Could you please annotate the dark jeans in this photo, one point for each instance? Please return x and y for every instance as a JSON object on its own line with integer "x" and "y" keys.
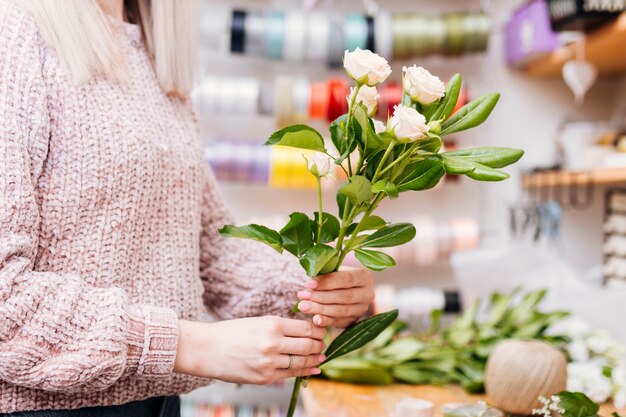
{"x": 152, "y": 407}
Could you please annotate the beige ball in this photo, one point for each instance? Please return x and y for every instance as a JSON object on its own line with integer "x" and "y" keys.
{"x": 520, "y": 371}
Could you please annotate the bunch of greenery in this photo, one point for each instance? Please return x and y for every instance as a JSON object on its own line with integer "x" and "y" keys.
{"x": 456, "y": 354}
{"x": 380, "y": 161}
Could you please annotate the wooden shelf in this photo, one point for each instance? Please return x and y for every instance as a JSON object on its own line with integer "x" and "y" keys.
{"x": 600, "y": 176}
{"x": 604, "y": 48}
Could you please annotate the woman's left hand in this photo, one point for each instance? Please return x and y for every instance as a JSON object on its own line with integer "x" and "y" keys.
{"x": 337, "y": 299}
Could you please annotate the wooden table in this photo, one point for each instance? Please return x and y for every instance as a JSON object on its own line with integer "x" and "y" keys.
{"x": 335, "y": 399}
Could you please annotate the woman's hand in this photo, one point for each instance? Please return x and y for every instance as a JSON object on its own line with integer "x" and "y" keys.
{"x": 250, "y": 351}
{"x": 337, "y": 299}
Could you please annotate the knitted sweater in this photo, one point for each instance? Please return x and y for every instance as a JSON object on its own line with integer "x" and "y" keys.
{"x": 108, "y": 232}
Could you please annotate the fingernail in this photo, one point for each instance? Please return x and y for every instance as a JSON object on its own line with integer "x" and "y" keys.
{"x": 316, "y": 371}
{"x": 321, "y": 358}
{"x": 304, "y": 306}
{"x": 312, "y": 284}
{"x": 323, "y": 345}
{"x": 304, "y": 295}
{"x": 317, "y": 320}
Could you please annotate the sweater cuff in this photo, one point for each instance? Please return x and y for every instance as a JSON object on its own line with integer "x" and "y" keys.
{"x": 152, "y": 341}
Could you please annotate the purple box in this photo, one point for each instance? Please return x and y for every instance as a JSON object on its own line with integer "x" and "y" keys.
{"x": 529, "y": 34}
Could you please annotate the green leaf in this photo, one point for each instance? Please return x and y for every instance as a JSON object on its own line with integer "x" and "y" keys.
{"x": 297, "y": 234}
{"x": 471, "y": 115}
{"x": 316, "y": 258}
{"x": 341, "y": 204}
{"x": 374, "y": 260}
{"x": 484, "y": 173}
{"x": 447, "y": 105}
{"x": 357, "y": 190}
{"x": 493, "y": 157}
{"x": 403, "y": 349}
{"x": 422, "y": 175}
{"x": 392, "y": 235}
{"x": 386, "y": 187}
{"x": 456, "y": 166}
{"x": 298, "y": 136}
{"x": 359, "y": 334}
{"x": 430, "y": 144}
{"x": 330, "y": 227}
{"x": 255, "y": 232}
{"x": 344, "y": 145}
{"x": 577, "y": 404}
{"x": 370, "y": 223}
{"x": 365, "y": 134}
{"x": 358, "y": 371}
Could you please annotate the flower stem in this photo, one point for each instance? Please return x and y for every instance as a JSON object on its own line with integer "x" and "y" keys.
{"x": 382, "y": 161}
{"x": 294, "y": 397}
{"x": 348, "y": 119}
{"x": 369, "y": 211}
{"x": 320, "y": 216}
{"x": 402, "y": 157}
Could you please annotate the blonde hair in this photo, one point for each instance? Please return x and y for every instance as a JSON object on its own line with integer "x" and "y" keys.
{"x": 88, "y": 46}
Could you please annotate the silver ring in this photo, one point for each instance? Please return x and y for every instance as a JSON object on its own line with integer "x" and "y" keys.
{"x": 290, "y": 362}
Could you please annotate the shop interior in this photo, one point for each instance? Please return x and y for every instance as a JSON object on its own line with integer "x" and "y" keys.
{"x": 549, "y": 240}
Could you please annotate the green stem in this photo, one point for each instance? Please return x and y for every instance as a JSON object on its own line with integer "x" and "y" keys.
{"x": 369, "y": 211}
{"x": 348, "y": 119}
{"x": 320, "y": 216}
{"x": 294, "y": 397}
{"x": 382, "y": 161}
{"x": 402, "y": 157}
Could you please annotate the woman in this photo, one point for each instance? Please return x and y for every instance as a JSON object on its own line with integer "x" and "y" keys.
{"x": 109, "y": 251}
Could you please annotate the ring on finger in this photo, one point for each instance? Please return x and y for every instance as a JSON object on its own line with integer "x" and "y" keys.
{"x": 290, "y": 362}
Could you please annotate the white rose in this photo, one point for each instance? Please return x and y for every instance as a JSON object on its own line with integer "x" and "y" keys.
{"x": 421, "y": 85}
{"x": 368, "y": 96}
{"x": 366, "y": 67}
{"x": 319, "y": 165}
{"x": 379, "y": 127}
{"x": 408, "y": 124}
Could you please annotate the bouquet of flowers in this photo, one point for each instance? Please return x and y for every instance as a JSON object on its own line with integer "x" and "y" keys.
{"x": 380, "y": 160}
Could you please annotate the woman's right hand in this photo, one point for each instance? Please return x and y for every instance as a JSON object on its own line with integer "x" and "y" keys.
{"x": 249, "y": 351}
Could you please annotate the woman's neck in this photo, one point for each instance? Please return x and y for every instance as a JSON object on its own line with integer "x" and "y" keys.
{"x": 114, "y": 8}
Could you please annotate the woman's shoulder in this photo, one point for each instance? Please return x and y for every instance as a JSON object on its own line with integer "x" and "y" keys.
{"x": 21, "y": 42}
{"x": 14, "y": 18}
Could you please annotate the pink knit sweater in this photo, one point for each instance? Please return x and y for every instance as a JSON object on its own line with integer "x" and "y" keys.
{"x": 108, "y": 232}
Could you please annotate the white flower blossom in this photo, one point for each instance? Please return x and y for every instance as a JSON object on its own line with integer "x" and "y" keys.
{"x": 319, "y": 165}
{"x": 368, "y": 96}
{"x": 408, "y": 124}
{"x": 421, "y": 85}
{"x": 366, "y": 67}
{"x": 379, "y": 127}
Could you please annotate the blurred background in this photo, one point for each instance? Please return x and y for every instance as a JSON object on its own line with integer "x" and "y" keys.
{"x": 558, "y": 223}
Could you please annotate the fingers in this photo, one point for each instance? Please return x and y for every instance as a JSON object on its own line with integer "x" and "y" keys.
{"x": 359, "y": 295}
{"x": 301, "y": 328}
{"x": 299, "y": 361}
{"x": 332, "y": 310}
{"x": 340, "y": 323}
{"x": 290, "y": 373}
{"x": 343, "y": 279}
{"x": 300, "y": 346}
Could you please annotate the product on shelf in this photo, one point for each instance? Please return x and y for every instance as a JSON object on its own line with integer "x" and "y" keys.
{"x": 290, "y": 99}
{"x": 528, "y": 34}
{"x": 583, "y": 14}
{"x": 296, "y": 36}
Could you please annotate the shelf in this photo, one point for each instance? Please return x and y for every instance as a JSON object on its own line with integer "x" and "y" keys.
{"x": 600, "y": 176}
{"x": 604, "y": 48}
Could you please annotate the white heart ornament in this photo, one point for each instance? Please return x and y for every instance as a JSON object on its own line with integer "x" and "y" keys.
{"x": 579, "y": 77}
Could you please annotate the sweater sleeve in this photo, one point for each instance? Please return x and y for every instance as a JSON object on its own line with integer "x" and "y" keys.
{"x": 242, "y": 278}
{"x": 57, "y": 332}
